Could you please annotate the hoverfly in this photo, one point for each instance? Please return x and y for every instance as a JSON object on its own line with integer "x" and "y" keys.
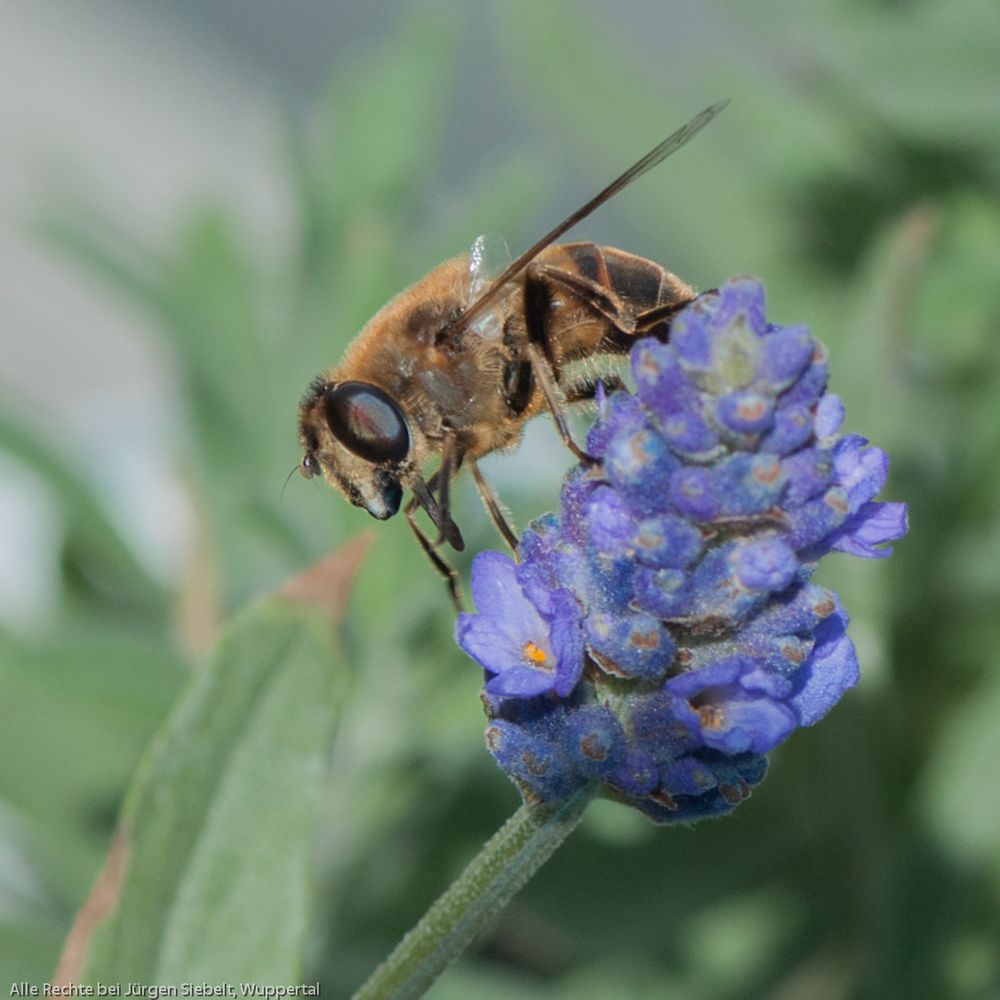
{"x": 456, "y": 365}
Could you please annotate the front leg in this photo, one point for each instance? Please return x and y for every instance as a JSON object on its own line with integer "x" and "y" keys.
{"x": 438, "y": 510}
{"x": 451, "y": 462}
{"x": 448, "y": 572}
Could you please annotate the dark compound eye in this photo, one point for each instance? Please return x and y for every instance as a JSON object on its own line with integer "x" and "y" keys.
{"x": 364, "y": 419}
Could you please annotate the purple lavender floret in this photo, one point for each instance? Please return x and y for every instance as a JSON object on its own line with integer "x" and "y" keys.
{"x": 527, "y": 635}
{"x": 660, "y": 635}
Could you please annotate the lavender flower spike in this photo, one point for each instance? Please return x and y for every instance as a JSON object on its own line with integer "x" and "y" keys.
{"x": 660, "y": 635}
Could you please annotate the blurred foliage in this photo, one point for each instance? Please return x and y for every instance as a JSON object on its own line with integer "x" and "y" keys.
{"x": 856, "y": 172}
{"x": 239, "y": 769}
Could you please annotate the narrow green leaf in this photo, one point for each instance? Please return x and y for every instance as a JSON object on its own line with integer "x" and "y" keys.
{"x": 218, "y": 830}
{"x": 388, "y": 107}
{"x": 91, "y": 535}
{"x": 89, "y": 236}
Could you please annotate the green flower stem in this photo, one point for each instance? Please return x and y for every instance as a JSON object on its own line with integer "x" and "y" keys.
{"x": 506, "y": 862}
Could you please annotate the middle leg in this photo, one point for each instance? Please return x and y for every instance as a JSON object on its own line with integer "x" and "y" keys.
{"x": 537, "y": 305}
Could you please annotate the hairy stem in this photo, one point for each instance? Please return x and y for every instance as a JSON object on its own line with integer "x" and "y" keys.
{"x": 505, "y": 863}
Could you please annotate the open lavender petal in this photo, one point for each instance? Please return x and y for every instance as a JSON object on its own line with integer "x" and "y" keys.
{"x": 660, "y": 635}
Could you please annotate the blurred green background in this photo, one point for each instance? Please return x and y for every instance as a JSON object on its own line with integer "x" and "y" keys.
{"x": 203, "y": 201}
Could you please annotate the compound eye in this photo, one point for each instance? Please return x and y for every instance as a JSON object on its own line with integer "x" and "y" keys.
{"x": 365, "y": 420}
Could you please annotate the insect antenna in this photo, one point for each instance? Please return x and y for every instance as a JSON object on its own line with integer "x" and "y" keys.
{"x": 284, "y": 485}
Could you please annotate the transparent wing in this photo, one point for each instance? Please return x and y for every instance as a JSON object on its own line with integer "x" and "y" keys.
{"x": 489, "y": 257}
{"x": 656, "y": 155}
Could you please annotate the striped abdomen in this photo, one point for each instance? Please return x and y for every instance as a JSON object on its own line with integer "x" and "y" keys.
{"x": 612, "y": 297}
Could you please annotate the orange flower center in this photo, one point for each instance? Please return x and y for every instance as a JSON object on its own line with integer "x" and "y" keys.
{"x": 534, "y": 653}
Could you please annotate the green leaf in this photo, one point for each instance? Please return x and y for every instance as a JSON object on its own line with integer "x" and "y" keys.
{"x": 218, "y": 830}
{"x": 358, "y": 179}
{"x": 956, "y": 304}
{"x": 92, "y": 541}
{"x": 930, "y": 69}
{"x": 953, "y": 802}
{"x": 388, "y": 108}
{"x": 106, "y": 692}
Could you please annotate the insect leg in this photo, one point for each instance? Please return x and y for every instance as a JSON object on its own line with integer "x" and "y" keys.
{"x": 647, "y": 322}
{"x": 442, "y": 521}
{"x": 551, "y": 393}
{"x": 592, "y": 295}
{"x": 537, "y": 302}
{"x": 449, "y": 573}
{"x": 451, "y": 460}
{"x": 493, "y": 508}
